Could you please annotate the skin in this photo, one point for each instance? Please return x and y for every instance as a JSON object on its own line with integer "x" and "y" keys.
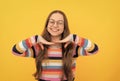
{"x": 55, "y": 28}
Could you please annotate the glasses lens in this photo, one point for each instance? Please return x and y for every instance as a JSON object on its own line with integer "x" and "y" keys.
{"x": 52, "y": 22}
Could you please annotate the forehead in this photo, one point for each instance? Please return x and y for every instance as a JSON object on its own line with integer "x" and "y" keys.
{"x": 57, "y": 16}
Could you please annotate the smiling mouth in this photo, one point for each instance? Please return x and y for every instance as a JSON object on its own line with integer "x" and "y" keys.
{"x": 54, "y": 30}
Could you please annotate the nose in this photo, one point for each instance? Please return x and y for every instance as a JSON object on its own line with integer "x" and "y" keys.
{"x": 55, "y": 24}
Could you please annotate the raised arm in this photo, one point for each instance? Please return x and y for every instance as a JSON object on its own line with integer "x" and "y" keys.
{"x": 30, "y": 46}
{"x": 27, "y": 47}
{"x": 84, "y": 46}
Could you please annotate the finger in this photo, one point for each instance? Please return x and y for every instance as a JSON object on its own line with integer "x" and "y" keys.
{"x": 49, "y": 43}
{"x": 67, "y": 39}
{"x": 43, "y": 41}
{"x": 62, "y": 41}
{"x": 66, "y": 44}
{"x": 41, "y": 45}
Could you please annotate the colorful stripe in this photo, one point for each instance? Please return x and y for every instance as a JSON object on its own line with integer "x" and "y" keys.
{"x": 52, "y": 67}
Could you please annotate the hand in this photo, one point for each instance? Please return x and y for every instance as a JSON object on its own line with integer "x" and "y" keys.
{"x": 66, "y": 40}
{"x": 42, "y": 41}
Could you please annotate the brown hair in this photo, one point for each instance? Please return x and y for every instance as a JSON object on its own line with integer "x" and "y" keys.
{"x": 67, "y": 52}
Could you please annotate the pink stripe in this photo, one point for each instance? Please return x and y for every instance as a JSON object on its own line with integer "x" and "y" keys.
{"x": 47, "y": 72}
{"x": 16, "y": 53}
{"x": 55, "y": 55}
{"x": 51, "y": 79}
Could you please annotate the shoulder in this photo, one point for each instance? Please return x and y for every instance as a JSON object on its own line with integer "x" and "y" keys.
{"x": 74, "y": 36}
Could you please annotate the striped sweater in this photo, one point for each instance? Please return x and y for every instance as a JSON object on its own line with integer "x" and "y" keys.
{"x": 52, "y": 67}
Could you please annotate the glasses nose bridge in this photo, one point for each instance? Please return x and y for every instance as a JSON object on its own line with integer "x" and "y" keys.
{"x": 55, "y": 23}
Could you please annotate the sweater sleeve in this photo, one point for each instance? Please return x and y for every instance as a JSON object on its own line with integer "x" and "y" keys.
{"x": 27, "y": 48}
{"x": 84, "y": 46}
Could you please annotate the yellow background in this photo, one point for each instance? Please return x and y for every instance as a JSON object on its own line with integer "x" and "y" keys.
{"x": 97, "y": 20}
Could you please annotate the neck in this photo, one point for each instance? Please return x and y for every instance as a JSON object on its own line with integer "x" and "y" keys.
{"x": 55, "y": 38}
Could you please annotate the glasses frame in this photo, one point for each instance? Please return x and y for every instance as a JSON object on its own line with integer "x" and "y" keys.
{"x": 51, "y": 22}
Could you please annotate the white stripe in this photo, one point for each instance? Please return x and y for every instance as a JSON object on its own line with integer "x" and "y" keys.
{"x": 52, "y": 63}
{"x": 32, "y": 40}
{"x": 29, "y": 53}
{"x": 38, "y": 39}
{"x": 88, "y": 45}
{"x": 81, "y": 49}
{"x": 47, "y": 63}
{"x": 77, "y": 39}
{"x": 51, "y": 75}
{"x": 21, "y": 46}
{"x": 71, "y": 37}
{"x": 74, "y": 61}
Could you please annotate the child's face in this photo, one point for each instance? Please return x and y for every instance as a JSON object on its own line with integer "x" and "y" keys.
{"x": 56, "y": 24}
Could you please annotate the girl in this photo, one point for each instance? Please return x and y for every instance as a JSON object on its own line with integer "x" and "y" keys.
{"x": 55, "y": 50}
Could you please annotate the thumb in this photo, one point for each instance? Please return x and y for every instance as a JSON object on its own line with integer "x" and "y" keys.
{"x": 41, "y": 45}
{"x": 69, "y": 38}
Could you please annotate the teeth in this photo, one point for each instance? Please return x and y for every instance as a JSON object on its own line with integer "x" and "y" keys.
{"x": 55, "y": 30}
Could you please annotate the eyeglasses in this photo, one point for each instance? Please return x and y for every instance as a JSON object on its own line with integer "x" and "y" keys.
{"x": 51, "y": 22}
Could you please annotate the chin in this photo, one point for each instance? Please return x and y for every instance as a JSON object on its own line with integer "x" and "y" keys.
{"x": 55, "y": 35}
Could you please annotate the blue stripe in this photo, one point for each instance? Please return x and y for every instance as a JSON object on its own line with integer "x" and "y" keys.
{"x": 85, "y": 43}
{"x": 51, "y": 67}
{"x": 83, "y": 52}
{"x": 24, "y": 44}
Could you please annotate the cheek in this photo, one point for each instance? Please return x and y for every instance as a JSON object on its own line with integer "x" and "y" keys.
{"x": 61, "y": 30}
{"x": 48, "y": 29}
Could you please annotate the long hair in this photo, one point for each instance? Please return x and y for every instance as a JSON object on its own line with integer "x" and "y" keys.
{"x": 66, "y": 52}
